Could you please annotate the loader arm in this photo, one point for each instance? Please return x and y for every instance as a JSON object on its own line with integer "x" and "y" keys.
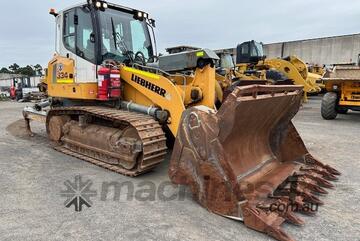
{"x": 302, "y": 67}
{"x": 291, "y": 71}
{"x": 151, "y": 89}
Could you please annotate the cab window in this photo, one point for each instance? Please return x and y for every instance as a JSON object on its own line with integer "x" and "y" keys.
{"x": 69, "y": 30}
{"x": 79, "y": 37}
{"x": 85, "y": 37}
{"x": 245, "y": 49}
{"x": 254, "y": 52}
{"x": 139, "y": 40}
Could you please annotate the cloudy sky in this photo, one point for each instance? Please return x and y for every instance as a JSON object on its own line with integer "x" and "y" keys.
{"x": 27, "y": 30}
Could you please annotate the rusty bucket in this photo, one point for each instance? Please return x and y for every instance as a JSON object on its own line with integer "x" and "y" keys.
{"x": 248, "y": 162}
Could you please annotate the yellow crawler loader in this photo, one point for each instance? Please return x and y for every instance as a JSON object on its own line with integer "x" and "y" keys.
{"x": 114, "y": 103}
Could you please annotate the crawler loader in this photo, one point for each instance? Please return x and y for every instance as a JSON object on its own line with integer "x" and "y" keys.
{"x": 113, "y": 103}
{"x": 250, "y": 55}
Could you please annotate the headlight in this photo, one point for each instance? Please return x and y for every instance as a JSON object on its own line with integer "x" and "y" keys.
{"x": 140, "y": 14}
{"x": 146, "y": 15}
{"x": 98, "y": 4}
{"x": 105, "y": 5}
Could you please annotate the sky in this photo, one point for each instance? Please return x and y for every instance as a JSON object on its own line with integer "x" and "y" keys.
{"x": 27, "y": 30}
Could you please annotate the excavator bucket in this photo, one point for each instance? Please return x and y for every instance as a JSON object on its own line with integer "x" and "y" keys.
{"x": 247, "y": 161}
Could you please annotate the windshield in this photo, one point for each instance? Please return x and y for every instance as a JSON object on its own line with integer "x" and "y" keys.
{"x": 259, "y": 49}
{"x": 227, "y": 61}
{"x": 120, "y": 33}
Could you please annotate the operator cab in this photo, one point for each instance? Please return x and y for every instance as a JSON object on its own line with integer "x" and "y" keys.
{"x": 249, "y": 52}
{"x": 97, "y": 31}
{"x": 226, "y": 62}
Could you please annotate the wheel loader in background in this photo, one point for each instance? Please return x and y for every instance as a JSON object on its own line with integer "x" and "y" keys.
{"x": 113, "y": 103}
{"x": 226, "y": 74}
{"x": 250, "y": 56}
{"x": 343, "y": 91}
{"x": 231, "y": 76}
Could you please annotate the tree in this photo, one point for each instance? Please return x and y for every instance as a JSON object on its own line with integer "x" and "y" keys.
{"x": 14, "y": 67}
{"x": 38, "y": 69}
{"x": 28, "y": 71}
{"x": 5, "y": 71}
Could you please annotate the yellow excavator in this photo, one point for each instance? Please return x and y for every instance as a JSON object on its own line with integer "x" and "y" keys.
{"x": 250, "y": 55}
{"x": 114, "y": 103}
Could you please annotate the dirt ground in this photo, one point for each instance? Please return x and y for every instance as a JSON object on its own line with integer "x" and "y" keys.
{"x": 33, "y": 176}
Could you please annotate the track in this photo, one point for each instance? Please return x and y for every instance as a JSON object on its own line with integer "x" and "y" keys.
{"x": 151, "y": 135}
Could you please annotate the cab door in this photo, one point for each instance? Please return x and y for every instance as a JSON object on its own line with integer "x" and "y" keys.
{"x": 79, "y": 43}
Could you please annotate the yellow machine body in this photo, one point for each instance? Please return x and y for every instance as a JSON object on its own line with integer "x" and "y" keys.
{"x": 346, "y": 82}
{"x": 343, "y": 91}
{"x": 317, "y": 69}
{"x": 349, "y": 91}
{"x": 250, "y": 56}
{"x": 62, "y": 84}
{"x": 295, "y": 69}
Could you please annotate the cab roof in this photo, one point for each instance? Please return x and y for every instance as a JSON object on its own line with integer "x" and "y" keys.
{"x": 110, "y": 5}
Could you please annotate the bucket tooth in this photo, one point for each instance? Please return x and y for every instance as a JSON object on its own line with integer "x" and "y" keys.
{"x": 311, "y": 184}
{"x": 311, "y": 161}
{"x": 292, "y": 218}
{"x": 332, "y": 170}
{"x": 329, "y": 176}
{"x": 284, "y": 208}
{"x": 315, "y": 188}
{"x": 321, "y": 181}
{"x": 321, "y": 171}
{"x": 308, "y": 197}
{"x": 300, "y": 191}
{"x": 266, "y": 222}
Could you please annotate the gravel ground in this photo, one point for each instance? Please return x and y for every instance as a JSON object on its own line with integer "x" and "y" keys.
{"x": 32, "y": 177}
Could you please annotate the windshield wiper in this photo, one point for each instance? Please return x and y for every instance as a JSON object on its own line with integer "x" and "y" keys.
{"x": 117, "y": 37}
{"x": 113, "y": 33}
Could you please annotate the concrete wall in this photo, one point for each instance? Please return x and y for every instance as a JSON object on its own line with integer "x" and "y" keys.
{"x": 33, "y": 81}
{"x": 332, "y": 50}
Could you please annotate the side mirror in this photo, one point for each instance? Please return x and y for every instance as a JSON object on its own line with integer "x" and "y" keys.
{"x": 92, "y": 38}
{"x": 152, "y": 22}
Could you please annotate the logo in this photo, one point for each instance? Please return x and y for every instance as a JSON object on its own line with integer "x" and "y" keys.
{"x": 148, "y": 85}
{"x": 78, "y": 193}
{"x": 60, "y": 67}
